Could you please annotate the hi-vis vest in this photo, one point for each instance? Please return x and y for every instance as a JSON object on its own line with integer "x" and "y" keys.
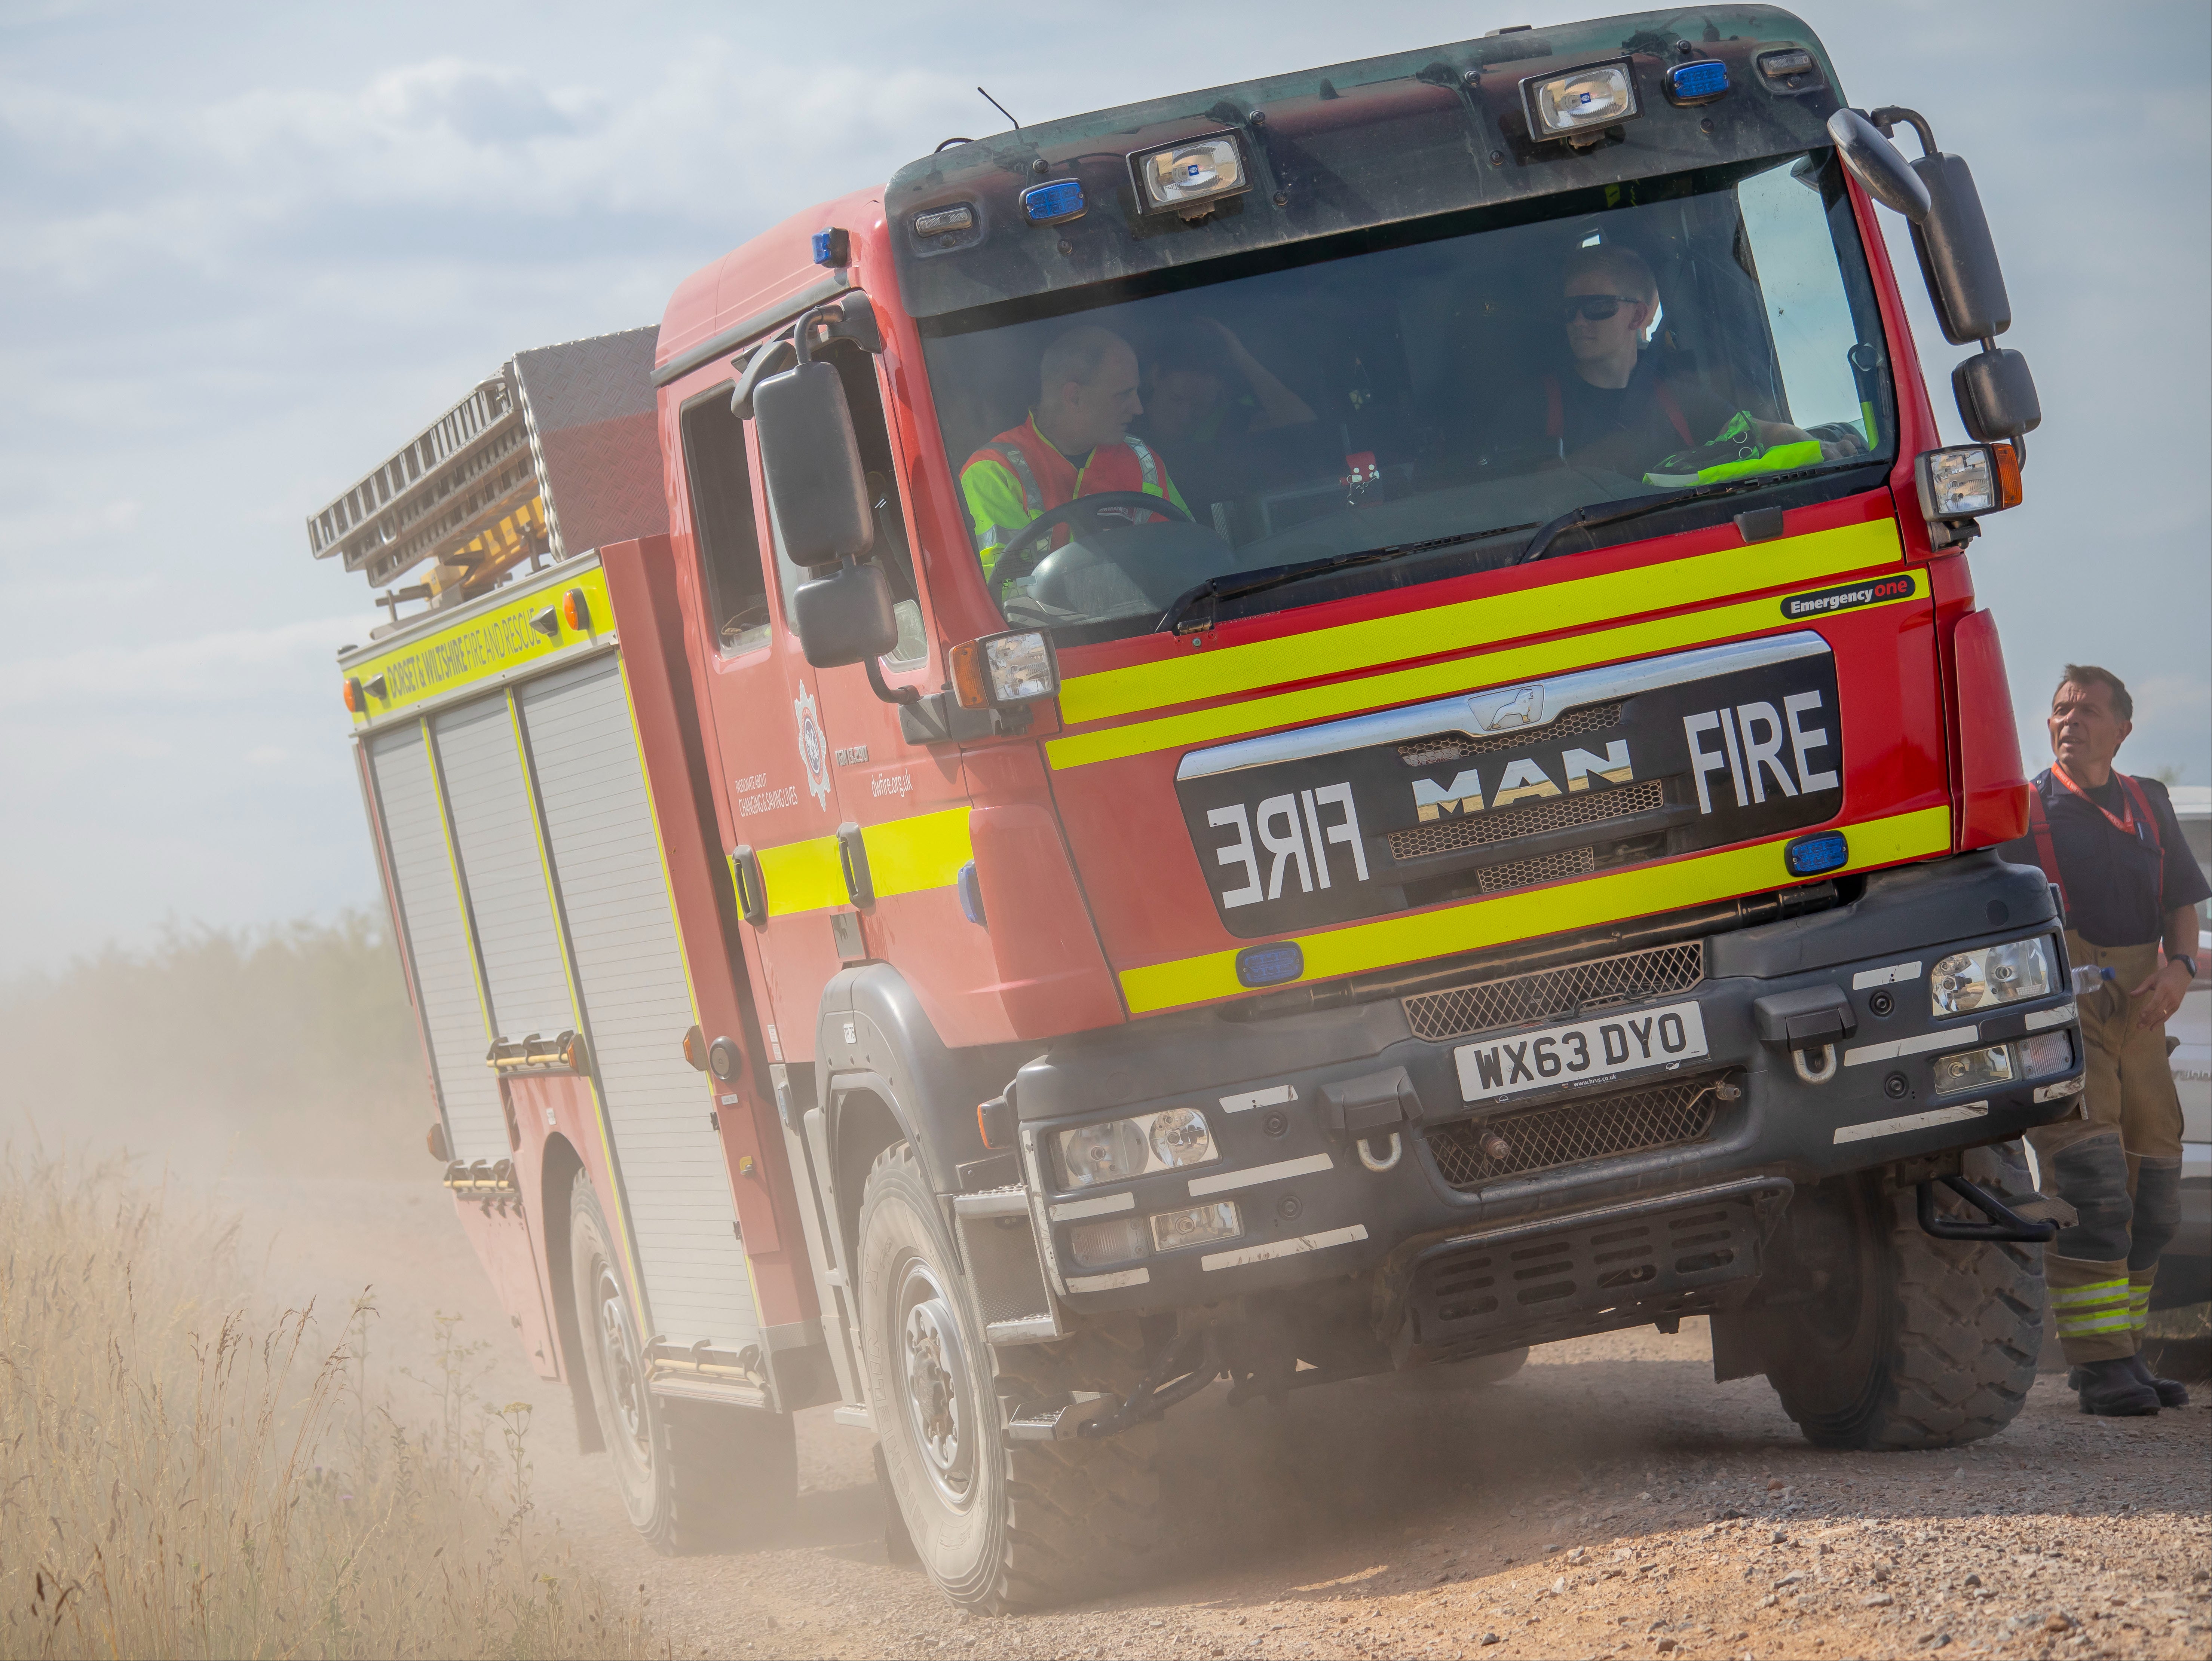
{"x": 1020, "y": 474}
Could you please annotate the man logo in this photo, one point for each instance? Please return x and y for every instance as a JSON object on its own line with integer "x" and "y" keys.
{"x": 1525, "y": 779}
{"x": 1500, "y": 712}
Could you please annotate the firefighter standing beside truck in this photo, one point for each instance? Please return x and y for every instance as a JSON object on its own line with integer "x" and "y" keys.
{"x": 2129, "y": 883}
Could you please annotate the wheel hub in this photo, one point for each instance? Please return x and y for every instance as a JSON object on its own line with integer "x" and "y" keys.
{"x": 934, "y": 1366}
{"x": 624, "y": 1382}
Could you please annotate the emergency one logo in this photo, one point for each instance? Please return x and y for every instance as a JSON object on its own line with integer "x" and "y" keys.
{"x": 811, "y": 750}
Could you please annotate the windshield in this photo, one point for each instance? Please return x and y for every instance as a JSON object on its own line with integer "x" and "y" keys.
{"x": 1402, "y": 401}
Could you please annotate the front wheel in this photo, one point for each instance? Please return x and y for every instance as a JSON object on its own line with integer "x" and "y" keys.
{"x": 996, "y": 1526}
{"x": 1895, "y": 1340}
{"x": 694, "y": 1476}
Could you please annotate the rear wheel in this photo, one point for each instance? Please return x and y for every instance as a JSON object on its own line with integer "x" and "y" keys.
{"x": 693, "y": 1475}
{"x": 1900, "y": 1341}
{"x": 997, "y": 1527}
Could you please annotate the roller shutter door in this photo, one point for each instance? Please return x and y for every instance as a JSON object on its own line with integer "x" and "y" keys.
{"x": 496, "y": 837}
{"x": 438, "y": 943}
{"x": 637, "y": 1004}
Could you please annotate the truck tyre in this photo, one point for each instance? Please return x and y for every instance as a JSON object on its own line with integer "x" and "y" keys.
{"x": 1903, "y": 1341}
{"x": 694, "y": 1475}
{"x": 998, "y": 1527}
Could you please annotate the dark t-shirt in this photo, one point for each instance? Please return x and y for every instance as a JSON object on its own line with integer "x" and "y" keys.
{"x": 1627, "y": 429}
{"x": 2118, "y": 891}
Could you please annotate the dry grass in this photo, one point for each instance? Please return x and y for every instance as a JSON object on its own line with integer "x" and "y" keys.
{"x": 179, "y": 1477}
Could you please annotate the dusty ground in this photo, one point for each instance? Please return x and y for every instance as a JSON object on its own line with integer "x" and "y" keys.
{"x": 1610, "y": 1499}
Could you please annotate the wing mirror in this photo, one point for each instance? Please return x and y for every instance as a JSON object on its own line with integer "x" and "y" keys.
{"x": 1959, "y": 263}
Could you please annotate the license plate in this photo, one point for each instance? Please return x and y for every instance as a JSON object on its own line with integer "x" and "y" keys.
{"x": 1580, "y": 1050}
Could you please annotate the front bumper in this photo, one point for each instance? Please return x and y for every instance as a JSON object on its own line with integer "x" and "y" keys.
{"x": 1329, "y": 1184}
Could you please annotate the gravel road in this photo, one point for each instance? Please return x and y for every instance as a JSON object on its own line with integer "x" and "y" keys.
{"x": 1610, "y": 1499}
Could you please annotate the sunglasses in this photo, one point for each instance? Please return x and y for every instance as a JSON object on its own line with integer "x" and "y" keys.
{"x": 1597, "y": 308}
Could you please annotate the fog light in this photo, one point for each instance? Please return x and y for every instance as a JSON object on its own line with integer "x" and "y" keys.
{"x": 1192, "y": 173}
{"x": 1990, "y": 974}
{"x": 1180, "y": 1137}
{"x": 1563, "y": 105}
{"x": 2046, "y": 1053}
{"x": 1972, "y": 1070}
{"x": 1115, "y": 1242}
{"x": 1200, "y": 1225}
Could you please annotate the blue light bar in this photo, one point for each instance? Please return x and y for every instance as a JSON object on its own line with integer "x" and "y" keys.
{"x": 1048, "y": 204}
{"x": 1808, "y": 856}
{"x": 1271, "y": 964}
{"x": 1696, "y": 84}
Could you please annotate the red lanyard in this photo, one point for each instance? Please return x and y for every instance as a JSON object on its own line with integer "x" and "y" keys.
{"x": 2125, "y": 827}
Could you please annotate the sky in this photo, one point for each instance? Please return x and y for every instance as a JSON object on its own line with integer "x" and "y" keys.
{"x": 246, "y": 251}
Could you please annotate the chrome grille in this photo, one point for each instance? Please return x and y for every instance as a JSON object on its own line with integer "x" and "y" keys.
{"x": 1561, "y": 813}
{"x": 1545, "y": 867}
{"x": 1548, "y": 994}
{"x": 1458, "y": 746}
{"x": 1572, "y": 1133}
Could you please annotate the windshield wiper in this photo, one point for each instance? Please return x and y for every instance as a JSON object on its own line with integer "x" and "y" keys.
{"x": 1539, "y": 546}
{"x": 1275, "y": 576}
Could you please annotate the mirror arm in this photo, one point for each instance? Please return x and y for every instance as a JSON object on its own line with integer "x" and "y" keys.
{"x": 887, "y": 692}
{"x": 767, "y": 358}
{"x": 1885, "y": 122}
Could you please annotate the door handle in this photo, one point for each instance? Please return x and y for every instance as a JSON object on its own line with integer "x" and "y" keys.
{"x": 853, "y": 857}
{"x": 752, "y": 892}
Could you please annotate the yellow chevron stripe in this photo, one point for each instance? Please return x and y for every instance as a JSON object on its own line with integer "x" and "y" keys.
{"x": 802, "y": 876}
{"x": 905, "y": 856}
{"x": 1550, "y": 657}
{"x": 1579, "y": 603}
{"x": 1503, "y": 918}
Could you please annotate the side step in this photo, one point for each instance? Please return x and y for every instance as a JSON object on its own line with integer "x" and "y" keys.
{"x": 1058, "y": 1418}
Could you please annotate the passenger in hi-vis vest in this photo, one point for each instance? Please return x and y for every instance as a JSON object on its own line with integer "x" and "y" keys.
{"x": 2130, "y": 888}
{"x": 1075, "y": 442}
{"x": 1614, "y": 411}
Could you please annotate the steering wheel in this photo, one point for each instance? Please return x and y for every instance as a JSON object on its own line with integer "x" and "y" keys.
{"x": 1020, "y": 557}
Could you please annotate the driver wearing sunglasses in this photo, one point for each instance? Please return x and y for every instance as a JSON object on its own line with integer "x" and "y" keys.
{"x": 1614, "y": 412}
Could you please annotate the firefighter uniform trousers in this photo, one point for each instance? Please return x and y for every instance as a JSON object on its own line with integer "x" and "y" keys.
{"x": 2117, "y": 1161}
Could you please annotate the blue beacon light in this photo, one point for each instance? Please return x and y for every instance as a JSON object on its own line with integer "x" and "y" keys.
{"x": 1694, "y": 83}
{"x": 1048, "y": 204}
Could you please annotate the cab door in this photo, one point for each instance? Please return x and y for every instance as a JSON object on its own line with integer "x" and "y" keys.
{"x": 765, "y": 726}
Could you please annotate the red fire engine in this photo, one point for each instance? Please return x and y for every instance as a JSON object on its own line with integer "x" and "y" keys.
{"x": 1318, "y": 726}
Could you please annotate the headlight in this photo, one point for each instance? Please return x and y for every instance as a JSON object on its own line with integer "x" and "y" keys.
{"x": 1179, "y": 1136}
{"x": 1201, "y": 1224}
{"x": 1593, "y": 97}
{"x": 2044, "y": 1054}
{"x": 1021, "y": 668}
{"x": 1972, "y": 1070}
{"x": 1972, "y": 479}
{"x": 1002, "y": 670}
{"x": 1115, "y": 1242}
{"x": 1121, "y": 1148}
{"x": 1991, "y": 975}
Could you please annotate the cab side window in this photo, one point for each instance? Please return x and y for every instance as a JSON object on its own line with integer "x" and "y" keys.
{"x": 857, "y": 373}
{"x": 721, "y": 481}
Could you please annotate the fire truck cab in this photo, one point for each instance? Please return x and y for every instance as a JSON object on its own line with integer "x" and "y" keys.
{"x": 1321, "y": 727}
